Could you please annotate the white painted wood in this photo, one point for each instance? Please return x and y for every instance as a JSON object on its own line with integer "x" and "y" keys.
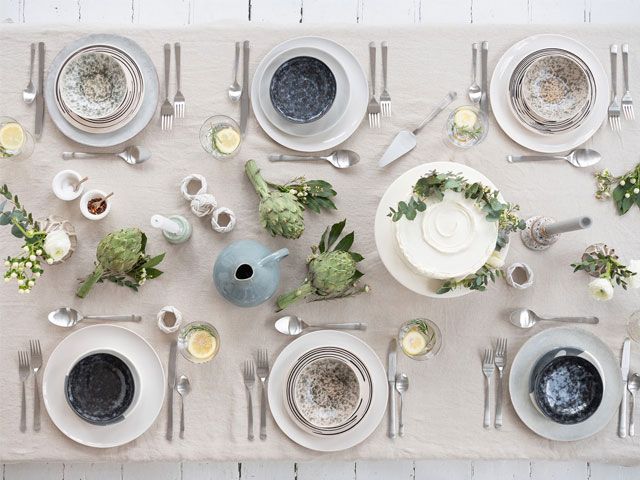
{"x": 631, "y": 473}
{"x": 547, "y": 11}
{"x": 152, "y": 471}
{"x": 502, "y": 469}
{"x": 499, "y": 11}
{"x": 443, "y": 470}
{"x": 208, "y": 11}
{"x": 285, "y": 11}
{"x": 383, "y": 12}
{"x": 445, "y": 11}
{"x": 210, "y": 471}
{"x": 93, "y": 471}
{"x": 10, "y": 11}
{"x": 267, "y": 471}
{"x": 174, "y": 12}
{"x": 384, "y": 470}
{"x": 331, "y": 11}
{"x": 31, "y": 471}
{"x": 118, "y": 11}
{"x": 548, "y": 470}
{"x": 618, "y": 11}
{"x": 323, "y": 470}
{"x": 603, "y": 471}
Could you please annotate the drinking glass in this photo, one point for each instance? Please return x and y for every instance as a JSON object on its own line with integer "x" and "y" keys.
{"x": 466, "y": 137}
{"x": 20, "y": 150}
{"x": 210, "y": 132}
{"x": 190, "y": 329}
{"x": 428, "y": 330}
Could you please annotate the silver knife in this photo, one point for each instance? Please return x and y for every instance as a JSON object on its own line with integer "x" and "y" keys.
{"x": 484, "y": 98}
{"x": 39, "y": 92}
{"x": 244, "y": 96}
{"x": 624, "y": 367}
{"x": 391, "y": 377}
{"x": 171, "y": 379}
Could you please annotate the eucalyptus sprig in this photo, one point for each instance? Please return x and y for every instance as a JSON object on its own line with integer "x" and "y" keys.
{"x": 477, "y": 281}
{"x": 605, "y": 266}
{"x": 626, "y": 192}
{"x": 314, "y": 194}
{"x": 467, "y": 132}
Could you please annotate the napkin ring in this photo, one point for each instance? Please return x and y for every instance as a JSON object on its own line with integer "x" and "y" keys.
{"x": 519, "y": 275}
{"x": 169, "y": 319}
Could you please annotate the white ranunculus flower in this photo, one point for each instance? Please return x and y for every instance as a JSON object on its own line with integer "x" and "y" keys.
{"x": 634, "y": 280}
{"x": 57, "y": 245}
{"x": 601, "y": 289}
{"x": 495, "y": 260}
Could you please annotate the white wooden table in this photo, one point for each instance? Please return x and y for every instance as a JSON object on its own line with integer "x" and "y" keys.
{"x": 379, "y": 12}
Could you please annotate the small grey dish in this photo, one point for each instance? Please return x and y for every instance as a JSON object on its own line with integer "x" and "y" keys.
{"x": 302, "y": 89}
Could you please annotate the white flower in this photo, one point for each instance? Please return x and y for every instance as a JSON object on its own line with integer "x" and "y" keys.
{"x": 57, "y": 245}
{"x": 495, "y": 260}
{"x": 32, "y": 258}
{"x": 632, "y": 180}
{"x": 38, "y": 252}
{"x": 28, "y": 264}
{"x": 25, "y": 249}
{"x": 14, "y": 274}
{"x": 622, "y": 183}
{"x": 601, "y": 289}
{"x": 31, "y": 283}
{"x": 20, "y": 282}
{"x": 627, "y": 195}
{"x": 634, "y": 280}
{"x": 636, "y": 190}
{"x": 14, "y": 265}
{"x": 37, "y": 274}
{"x": 49, "y": 261}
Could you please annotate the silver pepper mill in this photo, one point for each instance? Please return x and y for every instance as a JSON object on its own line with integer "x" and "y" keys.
{"x": 542, "y": 232}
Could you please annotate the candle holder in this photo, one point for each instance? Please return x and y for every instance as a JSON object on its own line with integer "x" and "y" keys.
{"x": 541, "y": 232}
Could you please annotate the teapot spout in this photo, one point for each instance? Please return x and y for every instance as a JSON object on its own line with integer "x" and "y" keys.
{"x": 274, "y": 257}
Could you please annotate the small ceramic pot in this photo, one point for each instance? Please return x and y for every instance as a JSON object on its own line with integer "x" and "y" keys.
{"x": 169, "y": 319}
{"x": 64, "y": 185}
{"x": 53, "y": 223}
{"x": 89, "y": 195}
{"x": 519, "y": 275}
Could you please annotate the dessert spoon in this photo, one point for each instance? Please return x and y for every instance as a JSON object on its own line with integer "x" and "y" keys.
{"x": 29, "y": 93}
{"x": 292, "y": 325}
{"x": 183, "y": 387}
{"x": 235, "y": 90}
{"x": 581, "y": 157}
{"x": 68, "y": 317}
{"x": 525, "y": 318}
{"x": 339, "y": 158}
{"x": 132, "y": 155}
{"x": 475, "y": 92}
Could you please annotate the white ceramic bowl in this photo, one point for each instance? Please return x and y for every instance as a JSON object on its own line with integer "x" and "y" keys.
{"x": 88, "y": 196}
{"x": 64, "y": 184}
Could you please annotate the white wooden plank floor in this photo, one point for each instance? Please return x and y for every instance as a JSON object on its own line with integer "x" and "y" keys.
{"x": 370, "y": 12}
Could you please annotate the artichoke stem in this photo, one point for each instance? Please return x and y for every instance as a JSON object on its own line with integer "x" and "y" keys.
{"x": 90, "y": 281}
{"x": 259, "y": 184}
{"x": 292, "y": 297}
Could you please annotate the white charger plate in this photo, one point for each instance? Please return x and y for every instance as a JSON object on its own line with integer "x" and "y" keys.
{"x": 385, "y": 228}
{"x": 501, "y": 103}
{"x": 132, "y": 347}
{"x": 525, "y": 361}
{"x": 278, "y": 378}
{"x": 354, "y": 112}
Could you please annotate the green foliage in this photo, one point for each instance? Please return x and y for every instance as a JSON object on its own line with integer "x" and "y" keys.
{"x": 626, "y": 192}
{"x": 477, "y": 281}
{"x": 605, "y": 266}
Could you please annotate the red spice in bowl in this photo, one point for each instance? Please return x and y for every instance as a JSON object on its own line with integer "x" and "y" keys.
{"x": 96, "y": 206}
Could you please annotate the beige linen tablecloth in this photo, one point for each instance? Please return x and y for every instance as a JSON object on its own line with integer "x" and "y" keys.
{"x": 443, "y": 408}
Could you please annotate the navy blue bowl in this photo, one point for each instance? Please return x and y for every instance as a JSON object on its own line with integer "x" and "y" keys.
{"x": 302, "y": 89}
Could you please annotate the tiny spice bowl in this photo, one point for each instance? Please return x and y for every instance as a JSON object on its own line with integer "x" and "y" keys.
{"x": 94, "y": 196}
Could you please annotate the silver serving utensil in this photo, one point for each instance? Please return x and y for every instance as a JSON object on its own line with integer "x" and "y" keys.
{"x": 581, "y": 157}
{"x": 292, "y": 325}
{"x": 39, "y": 120}
{"x": 263, "y": 374}
{"x": 133, "y": 155}
{"x": 487, "y": 371}
{"x": 385, "y": 98}
{"x": 23, "y": 371}
{"x": 525, "y": 318}
{"x": 392, "y": 362}
{"x": 171, "y": 382}
{"x": 626, "y": 101}
{"x": 402, "y": 385}
{"x": 235, "y": 90}
{"x": 484, "y": 96}
{"x": 500, "y": 362}
{"x": 68, "y": 317}
{"x": 35, "y": 362}
{"x": 475, "y": 92}
{"x": 249, "y": 377}
{"x": 179, "y": 101}
{"x": 29, "y": 93}
{"x": 183, "y": 387}
{"x": 613, "y": 112}
{"x": 624, "y": 370}
{"x": 633, "y": 387}
{"x": 244, "y": 96}
{"x": 405, "y": 141}
{"x": 166, "y": 109}
{"x": 339, "y": 158}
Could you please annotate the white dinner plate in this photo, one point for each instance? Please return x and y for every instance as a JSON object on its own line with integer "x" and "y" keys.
{"x": 280, "y": 372}
{"x": 501, "y": 103}
{"x": 97, "y": 338}
{"x": 345, "y": 126}
{"x": 525, "y": 361}
{"x": 385, "y": 228}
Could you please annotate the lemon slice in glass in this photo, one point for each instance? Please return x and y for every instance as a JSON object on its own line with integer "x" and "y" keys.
{"x": 414, "y": 342}
{"x": 201, "y": 344}
{"x": 11, "y": 136}
{"x": 465, "y": 119}
{"x": 226, "y": 140}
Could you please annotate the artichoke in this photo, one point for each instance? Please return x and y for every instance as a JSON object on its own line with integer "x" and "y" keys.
{"x": 332, "y": 272}
{"x": 121, "y": 259}
{"x": 281, "y": 206}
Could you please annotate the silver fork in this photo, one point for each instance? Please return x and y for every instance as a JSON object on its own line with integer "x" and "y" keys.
{"x": 500, "y": 362}
{"x": 614, "y": 106}
{"x": 23, "y": 372}
{"x": 627, "y": 102}
{"x": 166, "y": 111}
{"x": 36, "y": 364}
{"x": 487, "y": 370}
{"x": 178, "y": 100}
{"x": 385, "y": 98}
{"x": 373, "y": 109}
{"x": 263, "y": 374}
{"x": 249, "y": 375}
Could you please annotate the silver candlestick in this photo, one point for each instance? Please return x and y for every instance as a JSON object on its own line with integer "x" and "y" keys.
{"x": 542, "y": 232}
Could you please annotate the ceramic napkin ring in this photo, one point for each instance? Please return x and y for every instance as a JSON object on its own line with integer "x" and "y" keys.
{"x": 169, "y": 319}
{"x": 519, "y": 275}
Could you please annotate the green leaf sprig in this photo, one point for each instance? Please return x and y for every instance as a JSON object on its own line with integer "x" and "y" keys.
{"x": 605, "y": 266}
{"x": 626, "y": 192}
{"x": 313, "y": 194}
{"x": 478, "y": 281}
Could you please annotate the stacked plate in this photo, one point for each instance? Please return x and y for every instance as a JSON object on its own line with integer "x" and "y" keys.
{"x": 309, "y": 94}
{"x": 101, "y": 90}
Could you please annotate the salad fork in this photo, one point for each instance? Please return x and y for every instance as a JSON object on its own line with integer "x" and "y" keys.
{"x": 166, "y": 111}
{"x": 500, "y": 362}
{"x": 178, "y": 100}
{"x": 385, "y": 98}
{"x": 487, "y": 371}
{"x": 627, "y": 102}
{"x": 36, "y": 364}
{"x": 263, "y": 374}
{"x": 23, "y": 372}
{"x": 614, "y": 106}
{"x": 249, "y": 375}
{"x": 373, "y": 108}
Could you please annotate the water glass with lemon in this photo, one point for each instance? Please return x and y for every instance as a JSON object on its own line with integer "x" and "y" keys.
{"x": 198, "y": 342}
{"x": 220, "y": 136}
{"x": 15, "y": 141}
{"x": 420, "y": 338}
{"x": 466, "y": 126}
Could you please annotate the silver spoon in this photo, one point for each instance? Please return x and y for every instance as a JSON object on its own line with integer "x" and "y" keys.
{"x": 235, "y": 90}
{"x": 475, "y": 92}
{"x": 339, "y": 158}
{"x": 402, "y": 385}
{"x": 68, "y": 317}
{"x": 183, "y": 387}
{"x": 29, "y": 93}
{"x": 132, "y": 155}
{"x": 525, "y": 318}
{"x": 581, "y": 157}
{"x": 292, "y": 325}
{"x": 633, "y": 385}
